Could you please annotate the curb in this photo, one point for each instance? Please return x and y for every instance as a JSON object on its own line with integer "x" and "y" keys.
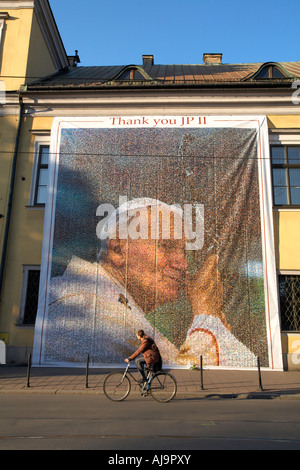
{"x": 260, "y": 395}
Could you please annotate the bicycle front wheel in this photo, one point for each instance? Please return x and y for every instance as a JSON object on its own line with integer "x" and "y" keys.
{"x": 116, "y": 386}
{"x": 163, "y": 387}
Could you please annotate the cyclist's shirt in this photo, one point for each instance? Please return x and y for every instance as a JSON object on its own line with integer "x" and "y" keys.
{"x": 149, "y": 350}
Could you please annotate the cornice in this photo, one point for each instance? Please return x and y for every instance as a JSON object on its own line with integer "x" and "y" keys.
{"x": 17, "y": 4}
{"x": 84, "y": 104}
{"x": 157, "y": 94}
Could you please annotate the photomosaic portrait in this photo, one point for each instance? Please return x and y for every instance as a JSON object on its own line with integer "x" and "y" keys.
{"x": 161, "y": 226}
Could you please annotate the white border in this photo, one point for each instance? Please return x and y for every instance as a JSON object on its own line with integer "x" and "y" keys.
{"x": 254, "y": 122}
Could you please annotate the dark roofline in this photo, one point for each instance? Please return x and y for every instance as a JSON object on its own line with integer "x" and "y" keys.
{"x": 164, "y": 76}
{"x": 159, "y": 86}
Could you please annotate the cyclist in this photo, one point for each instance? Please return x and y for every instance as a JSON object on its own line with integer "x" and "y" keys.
{"x": 151, "y": 355}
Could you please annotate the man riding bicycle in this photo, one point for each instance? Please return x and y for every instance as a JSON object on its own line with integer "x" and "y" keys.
{"x": 151, "y": 355}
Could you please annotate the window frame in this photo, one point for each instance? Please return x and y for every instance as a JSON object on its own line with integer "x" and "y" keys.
{"x": 283, "y": 137}
{"x": 129, "y": 72}
{"x": 26, "y": 269}
{"x": 270, "y": 72}
{"x": 40, "y": 142}
{"x": 285, "y": 273}
{"x": 40, "y": 166}
{"x": 285, "y": 166}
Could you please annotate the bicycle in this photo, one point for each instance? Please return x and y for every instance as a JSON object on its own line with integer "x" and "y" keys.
{"x": 162, "y": 386}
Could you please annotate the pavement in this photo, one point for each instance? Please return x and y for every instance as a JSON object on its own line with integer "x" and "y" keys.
{"x": 210, "y": 384}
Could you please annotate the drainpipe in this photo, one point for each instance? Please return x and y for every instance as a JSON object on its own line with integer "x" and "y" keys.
{"x": 11, "y": 193}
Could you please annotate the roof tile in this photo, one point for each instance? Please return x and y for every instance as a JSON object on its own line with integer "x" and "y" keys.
{"x": 184, "y": 74}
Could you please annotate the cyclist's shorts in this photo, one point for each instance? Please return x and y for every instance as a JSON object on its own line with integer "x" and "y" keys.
{"x": 156, "y": 367}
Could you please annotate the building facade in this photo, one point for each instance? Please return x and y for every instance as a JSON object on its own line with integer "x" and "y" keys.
{"x": 52, "y": 106}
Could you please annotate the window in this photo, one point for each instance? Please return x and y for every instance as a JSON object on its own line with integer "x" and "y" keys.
{"x": 286, "y": 175}
{"x": 30, "y": 293}
{"x": 132, "y": 73}
{"x": 289, "y": 293}
{"x": 39, "y": 180}
{"x": 42, "y": 176}
{"x": 269, "y": 71}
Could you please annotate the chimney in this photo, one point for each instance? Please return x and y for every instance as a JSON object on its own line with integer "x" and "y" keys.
{"x": 148, "y": 59}
{"x": 74, "y": 59}
{"x": 215, "y": 58}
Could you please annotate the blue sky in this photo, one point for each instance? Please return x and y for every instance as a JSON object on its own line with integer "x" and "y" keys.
{"x": 179, "y": 31}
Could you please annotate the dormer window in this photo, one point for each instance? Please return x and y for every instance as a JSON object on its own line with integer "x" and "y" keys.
{"x": 269, "y": 71}
{"x": 133, "y": 73}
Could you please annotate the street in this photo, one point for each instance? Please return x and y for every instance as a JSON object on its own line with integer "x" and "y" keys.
{"x": 92, "y": 422}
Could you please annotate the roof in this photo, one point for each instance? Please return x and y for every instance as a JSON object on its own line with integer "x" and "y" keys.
{"x": 168, "y": 75}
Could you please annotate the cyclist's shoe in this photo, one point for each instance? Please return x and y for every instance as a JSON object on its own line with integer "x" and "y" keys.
{"x": 143, "y": 384}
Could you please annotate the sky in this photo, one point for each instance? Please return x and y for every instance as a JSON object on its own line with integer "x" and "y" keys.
{"x": 119, "y": 32}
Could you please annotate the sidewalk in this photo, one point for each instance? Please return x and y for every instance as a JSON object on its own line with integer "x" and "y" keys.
{"x": 239, "y": 384}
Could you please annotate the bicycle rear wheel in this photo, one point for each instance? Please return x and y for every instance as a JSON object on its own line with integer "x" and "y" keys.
{"x": 163, "y": 387}
{"x": 116, "y": 386}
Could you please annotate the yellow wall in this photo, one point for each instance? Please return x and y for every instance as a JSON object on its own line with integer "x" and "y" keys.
{"x": 24, "y": 57}
{"x": 286, "y": 221}
{"x": 287, "y": 233}
{"x": 287, "y": 248}
{"x": 8, "y": 126}
{"x": 25, "y": 237}
{"x": 284, "y": 122}
{"x": 24, "y": 52}
{"x": 15, "y": 47}
{"x": 291, "y": 350}
{"x": 40, "y": 63}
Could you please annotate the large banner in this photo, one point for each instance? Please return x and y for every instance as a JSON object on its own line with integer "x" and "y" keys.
{"x": 160, "y": 223}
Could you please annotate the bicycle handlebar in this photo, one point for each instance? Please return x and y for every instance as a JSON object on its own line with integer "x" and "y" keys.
{"x": 127, "y": 367}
